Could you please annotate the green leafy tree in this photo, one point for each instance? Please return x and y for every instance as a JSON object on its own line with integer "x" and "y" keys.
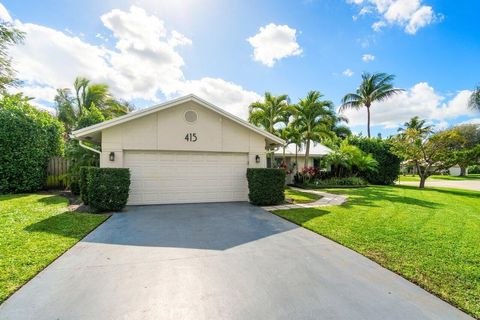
{"x": 474, "y": 102}
{"x": 467, "y": 150}
{"x": 374, "y": 88}
{"x": 381, "y": 150}
{"x": 28, "y": 138}
{"x": 314, "y": 118}
{"x": 9, "y": 36}
{"x": 428, "y": 152}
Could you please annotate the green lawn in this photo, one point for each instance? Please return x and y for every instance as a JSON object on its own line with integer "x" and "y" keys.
{"x": 301, "y": 197}
{"x": 34, "y": 230}
{"x": 440, "y": 177}
{"x": 431, "y": 236}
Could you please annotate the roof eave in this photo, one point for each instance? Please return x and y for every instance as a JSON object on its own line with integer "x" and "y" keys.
{"x": 78, "y": 134}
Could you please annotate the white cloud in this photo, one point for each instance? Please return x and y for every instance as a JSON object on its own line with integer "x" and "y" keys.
{"x": 222, "y": 93}
{"x": 145, "y": 62}
{"x": 412, "y": 15}
{"x": 368, "y": 57}
{"x": 274, "y": 42}
{"x": 347, "y": 73}
{"x": 4, "y": 15}
{"x": 420, "y": 100}
{"x": 471, "y": 121}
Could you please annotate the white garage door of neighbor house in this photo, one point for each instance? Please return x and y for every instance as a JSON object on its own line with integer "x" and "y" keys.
{"x": 160, "y": 177}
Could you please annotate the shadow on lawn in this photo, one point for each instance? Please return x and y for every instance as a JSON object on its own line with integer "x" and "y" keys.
{"x": 301, "y": 217}
{"x": 6, "y": 197}
{"x": 371, "y": 196}
{"x": 66, "y": 224}
{"x": 52, "y": 199}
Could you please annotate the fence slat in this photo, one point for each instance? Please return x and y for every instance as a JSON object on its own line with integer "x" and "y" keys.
{"x": 57, "y": 173}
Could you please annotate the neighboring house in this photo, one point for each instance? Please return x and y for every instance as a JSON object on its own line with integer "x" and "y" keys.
{"x": 407, "y": 167}
{"x": 182, "y": 151}
{"x": 456, "y": 171}
{"x": 317, "y": 151}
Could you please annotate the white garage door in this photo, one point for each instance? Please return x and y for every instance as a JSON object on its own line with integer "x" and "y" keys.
{"x": 186, "y": 177}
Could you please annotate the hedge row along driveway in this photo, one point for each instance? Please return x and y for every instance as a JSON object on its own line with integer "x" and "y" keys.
{"x": 34, "y": 230}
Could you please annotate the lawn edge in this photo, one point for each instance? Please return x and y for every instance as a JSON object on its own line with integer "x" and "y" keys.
{"x": 373, "y": 260}
{"x": 61, "y": 254}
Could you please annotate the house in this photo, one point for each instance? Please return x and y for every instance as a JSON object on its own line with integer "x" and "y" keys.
{"x": 183, "y": 151}
{"x": 456, "y": 171}
{"x": 316, "y": 152}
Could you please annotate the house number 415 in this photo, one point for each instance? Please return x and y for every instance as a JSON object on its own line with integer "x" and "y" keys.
{"x": 191, "y": 137}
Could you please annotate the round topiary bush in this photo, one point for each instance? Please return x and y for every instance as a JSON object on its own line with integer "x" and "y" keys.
{"x": 28, "y": 138}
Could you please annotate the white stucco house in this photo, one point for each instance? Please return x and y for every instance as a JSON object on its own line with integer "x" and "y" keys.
{"x": 182, "y": 151}
{"x": 317, "y": 151}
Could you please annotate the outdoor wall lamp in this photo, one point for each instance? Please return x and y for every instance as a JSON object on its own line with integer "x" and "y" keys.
{"x": 257, "y": 158}
{"x": 111, "y": 156}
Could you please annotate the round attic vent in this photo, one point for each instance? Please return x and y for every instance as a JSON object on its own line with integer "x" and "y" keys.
{"x": 191, "y": 116}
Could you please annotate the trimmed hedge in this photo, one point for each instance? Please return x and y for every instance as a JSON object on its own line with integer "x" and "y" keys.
{"x": 266, "y": 186}
{"x": 83, "y": 184}
{"x": 388, "y": 163}
{"x": 107, "y": 188}
{"x": 28, "y": 138}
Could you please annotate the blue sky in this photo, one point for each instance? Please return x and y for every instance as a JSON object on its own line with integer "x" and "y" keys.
{"x": 230, "y": 52}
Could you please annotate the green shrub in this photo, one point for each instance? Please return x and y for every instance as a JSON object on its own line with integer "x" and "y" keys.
{"x": 388, "y": 163}
{"x": 83, "y": 184}
{"x": 74, "y": 187}
{"x": 266, "y": 186}
{"x": 28, "y": 138}
{"x": 475, "y": 169}
{"x": 337, "y": 182}
{"x": 107, "y": 188}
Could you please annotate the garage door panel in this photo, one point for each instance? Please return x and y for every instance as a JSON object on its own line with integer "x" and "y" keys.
{"x": 186, "y": 177}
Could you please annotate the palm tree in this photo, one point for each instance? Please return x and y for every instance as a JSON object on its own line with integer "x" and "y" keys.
{"x": 272, "y": 111}
{"x": 314, "y": 118}
{"x": 70, "y": 108}
{"x": 416, "y": 124}
{"x": 374, "y": 88}
{"x": 474, "y": 102}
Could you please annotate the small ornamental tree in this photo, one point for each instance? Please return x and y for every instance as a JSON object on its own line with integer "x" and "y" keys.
{"x": 428, "y": 152}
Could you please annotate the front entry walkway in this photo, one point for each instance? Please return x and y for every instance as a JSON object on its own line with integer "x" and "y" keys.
{"x": 327, "y": 199}
{"x": 216, "y": 261}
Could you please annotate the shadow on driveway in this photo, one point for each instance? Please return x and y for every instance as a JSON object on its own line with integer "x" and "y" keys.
{"x": 213, "y": 226}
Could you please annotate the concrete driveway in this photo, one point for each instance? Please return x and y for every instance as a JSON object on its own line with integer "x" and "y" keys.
{"x": 216, "y": 261}
{"x": 462, "y": 184}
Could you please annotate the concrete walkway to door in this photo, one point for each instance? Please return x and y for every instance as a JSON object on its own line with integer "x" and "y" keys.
{"x": 216, "y": 261}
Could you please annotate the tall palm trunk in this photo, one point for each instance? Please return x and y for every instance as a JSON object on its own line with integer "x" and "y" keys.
{"x": 307, "y": 153}
{"x": 368, "y": 119}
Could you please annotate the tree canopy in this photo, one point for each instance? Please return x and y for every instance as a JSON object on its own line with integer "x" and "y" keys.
{"x": 374, "y": 87}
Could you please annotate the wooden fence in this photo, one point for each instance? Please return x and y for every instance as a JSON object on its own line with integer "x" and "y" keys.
{"x": 57, "y": 173}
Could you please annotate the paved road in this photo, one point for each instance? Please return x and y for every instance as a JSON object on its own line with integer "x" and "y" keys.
{"x": 464, "y": 184}
{"x": 216, "y": 261}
